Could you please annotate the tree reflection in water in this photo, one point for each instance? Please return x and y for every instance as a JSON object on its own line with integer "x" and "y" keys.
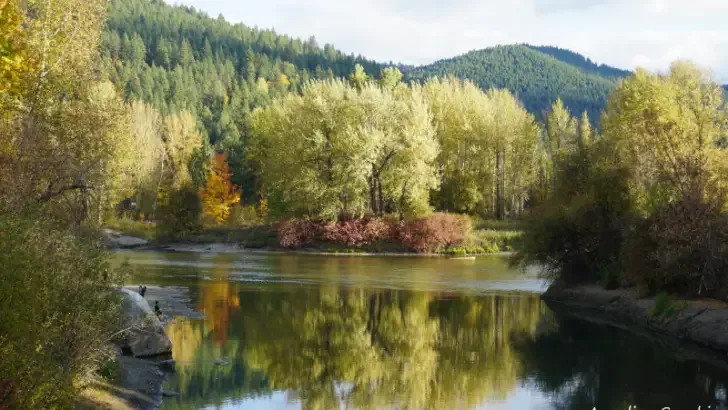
{"x": 585, "y": 365}
{"x": 353, "y": 345}
{"x": 349, "y": 347}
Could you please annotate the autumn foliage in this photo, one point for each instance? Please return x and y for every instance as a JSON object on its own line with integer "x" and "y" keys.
{"x": 433, "y": 232}
{"x": 219, "y": 194}
{"x": 422, "y": 235}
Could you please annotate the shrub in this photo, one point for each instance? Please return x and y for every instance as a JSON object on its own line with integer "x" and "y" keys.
{"x": 109, "y": 369}
{"x": 477, "y": 250}
{"x": 294, "y": 233}
{"x": 433, "y": 232}
{"x": 181, "y": 215}
{"x": 581, "y": 227}
{"x": 682, "y": 248}
{"x": 57, "y": 306}
{"x": 357, "y": 232}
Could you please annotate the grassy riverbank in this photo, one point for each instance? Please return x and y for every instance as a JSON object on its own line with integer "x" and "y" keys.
{"x": 486, "y": 237}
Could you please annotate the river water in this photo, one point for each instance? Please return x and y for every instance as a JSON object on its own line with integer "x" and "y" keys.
{"x": 284, "y": 331}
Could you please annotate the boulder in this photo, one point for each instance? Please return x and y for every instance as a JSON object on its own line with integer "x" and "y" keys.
{"x": 147, "y": 336}
{"x": 116, "y": 240}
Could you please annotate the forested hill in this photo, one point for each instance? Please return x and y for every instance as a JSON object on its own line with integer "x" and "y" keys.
{"x": 578, "y": 60}
{"x": 537, "y": 78}
{"x": 178, "y": 58}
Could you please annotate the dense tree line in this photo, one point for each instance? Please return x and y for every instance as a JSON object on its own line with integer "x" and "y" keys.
{"x": 179, "y": 59}
{"x": 537, "y": 79}
{"x": 65, "y": 157}
{"x": 643, "y": 204}
{"x": 378, "y": 147}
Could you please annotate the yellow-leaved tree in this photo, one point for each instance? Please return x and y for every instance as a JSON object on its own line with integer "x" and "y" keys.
{"x": 219, "y": 194}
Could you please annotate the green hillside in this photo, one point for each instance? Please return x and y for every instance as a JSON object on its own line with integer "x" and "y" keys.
{"x": 578, "y": 60}
{"x": 536, "y": 77}
{"x": 178, "y": 58}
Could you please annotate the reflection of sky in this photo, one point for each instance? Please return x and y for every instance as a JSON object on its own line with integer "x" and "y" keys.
{"x": 521, "y": 398}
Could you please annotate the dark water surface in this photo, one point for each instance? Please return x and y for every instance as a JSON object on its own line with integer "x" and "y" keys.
{"x": 358, "y": 332}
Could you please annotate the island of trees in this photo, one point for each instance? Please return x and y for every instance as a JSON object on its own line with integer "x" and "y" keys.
{"x": 181, "y": 123}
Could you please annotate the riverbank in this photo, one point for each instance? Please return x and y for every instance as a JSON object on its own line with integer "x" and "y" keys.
{"x": 219, "y": 243}
{"x": 703, "y": 322}
{"x": 137, "y": 380}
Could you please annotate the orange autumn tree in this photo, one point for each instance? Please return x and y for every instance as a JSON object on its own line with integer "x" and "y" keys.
{"x": 219, "y": 194}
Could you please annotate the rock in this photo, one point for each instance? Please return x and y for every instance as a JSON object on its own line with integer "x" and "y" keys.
{"x": 116, "y": 240}
{"x": 167, "y": 365}
{"x": 140, "y": 383}
{"x": 147, "y": 337}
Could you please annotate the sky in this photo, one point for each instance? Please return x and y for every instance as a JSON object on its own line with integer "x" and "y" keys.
{"x": 621, "y": 33}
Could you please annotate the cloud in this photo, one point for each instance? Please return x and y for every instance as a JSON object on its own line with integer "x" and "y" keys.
{"x": 558, "y": 6}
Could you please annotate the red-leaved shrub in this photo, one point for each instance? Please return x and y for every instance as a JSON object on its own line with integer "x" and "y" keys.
{"x": 356, "y": 232}
{"x": 420, "y": 235}
{"x": 433, "y": 232}
{"x": 295, "y": 233}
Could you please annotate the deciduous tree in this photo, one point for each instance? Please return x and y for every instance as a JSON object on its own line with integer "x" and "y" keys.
{"x": 219, "y": 194}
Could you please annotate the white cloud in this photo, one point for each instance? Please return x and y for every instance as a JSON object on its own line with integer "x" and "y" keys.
{"x": 623, "y": 33}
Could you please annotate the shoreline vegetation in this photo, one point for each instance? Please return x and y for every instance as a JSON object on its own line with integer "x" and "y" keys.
{"x": 487, "y": 238}
{"x": 636, "y": 229}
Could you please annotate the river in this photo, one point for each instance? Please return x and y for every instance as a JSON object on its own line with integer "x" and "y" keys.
{"x": 289, "y": 331}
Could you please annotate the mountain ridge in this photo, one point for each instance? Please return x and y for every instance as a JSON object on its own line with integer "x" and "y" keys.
{"x": 536, "y": 77}
{"x": 177, "y": 57}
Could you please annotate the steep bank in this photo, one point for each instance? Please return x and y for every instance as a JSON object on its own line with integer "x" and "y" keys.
{"x": 142, "y": 353}
{"x": 701, "y": 322}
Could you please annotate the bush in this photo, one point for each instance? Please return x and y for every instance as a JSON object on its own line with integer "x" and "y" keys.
{"x": 428, "y": 234}
{"x": 682, "y": 248}
{"x": 581, "y": 228}
{"x": 181, "y": 214}
{"x": 57, "y": 307}
{"x": 357, "y": 232}
{"x": 434, "y": 232}
{"x": 109, "y": 369}
{"x": 295, "y": 233}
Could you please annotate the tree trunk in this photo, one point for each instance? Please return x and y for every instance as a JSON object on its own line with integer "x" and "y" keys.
{"x": 380, "y": 206}
{"x": 373, "y": 193}
{"x": 101, "y": 207}
{"x": 499, "y": 186}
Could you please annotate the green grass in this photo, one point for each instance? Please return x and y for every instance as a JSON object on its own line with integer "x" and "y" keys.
{"x": 130, "y": 227}
{"x": 666, "y": 306}
{"x": 488, "y": 236}
{"x": 496, "y": 225}
{"x": 502, "y": 240}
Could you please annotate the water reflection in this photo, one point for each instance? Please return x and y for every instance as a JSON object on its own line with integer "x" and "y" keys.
{"x": 323, "y": 333}
{"x": 353, "y": 348}
{"x": 584, "y": 365}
